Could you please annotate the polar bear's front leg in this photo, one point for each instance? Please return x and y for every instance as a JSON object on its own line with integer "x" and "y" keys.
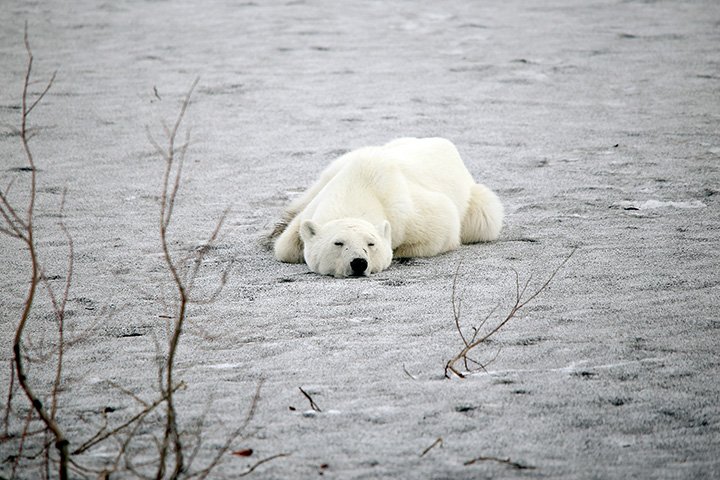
{"x": 288, "y": 246}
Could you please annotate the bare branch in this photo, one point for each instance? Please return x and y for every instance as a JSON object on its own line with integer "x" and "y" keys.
{"x": 23, "y": 436}
{"x": 8, "y": 406}
{"x": 95, "y": 439}
{"x": 158, "y": 149}
{"x": 59, "y": 308}
{"x": 477, "y": 329}
{"x": 168, "y": 197}
{"x": 61, "y": 443}
{"x": 166, "y": 209}
{"x": 200, "y": 256}
{"x": 519, "y": 304}
{"x": 264, "y": 460}
{"x": 202, "y": 474}
{"x": 505, "y": 461}
{"x": 313, "y": 405}
{"x": 408, "y": 373}
{"x": 13, "y": 220}
{"x": 456, "y": 304}
{"x": 42, "y": 94}
{"x": 213, "y": 296}
{"x": 197, "y": 434}
{"x": 128, "y": 393}
{"x": 11, "y": 233}
{"x": 124, "y": 445}
{"x": 84, "y": 471}
{"x": 437, "y": 442}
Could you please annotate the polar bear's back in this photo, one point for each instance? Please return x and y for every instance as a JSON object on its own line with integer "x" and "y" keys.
{"x": 426, "y": 160}
{"x": 430, "y": 164}
{"x": 433, "y": 164}
{"x": 389, "y": 182}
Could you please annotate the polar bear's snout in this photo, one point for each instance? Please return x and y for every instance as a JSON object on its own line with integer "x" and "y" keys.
{"x": 359, "y": 266}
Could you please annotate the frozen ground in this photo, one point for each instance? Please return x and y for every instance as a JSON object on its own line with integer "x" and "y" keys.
{"x": 597, "y": 124}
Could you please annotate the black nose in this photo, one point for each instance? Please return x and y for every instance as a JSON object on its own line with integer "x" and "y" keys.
{"x": 358, "y": 265}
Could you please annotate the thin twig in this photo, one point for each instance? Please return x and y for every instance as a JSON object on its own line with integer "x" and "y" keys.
{"x": 8, "y": 406}
{"x": 197, "y": 434}
{"x": 202, "y": 252}
{"x": 519, "y": 304}
{"x": 61, "y": 443}
{"x": 264, "y": 460}
{"x": 83, "y": 470}
{"x": 97, "y": 438}
{"x": 166, "y": 210}
{"x": 504, "y": 461}
{"x": 128, "y": 393}
{"x": 478, "y": 329}
{"x": 42, "y": 94}
{"x": 437, "y": 442}
{"x": 202, "y": 474}
{"x": 456, "y": 305}
{"x": 408, "y": 373}
{"x": 313, "y": 405}
{"x": 59, "y": 308}
{"x": 23, "y": 437}
{"x": 16, "y": 226}
{"x": 124, "y": 445}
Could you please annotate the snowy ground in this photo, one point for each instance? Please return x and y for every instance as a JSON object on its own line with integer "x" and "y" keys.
{"x": 597, "y": 124}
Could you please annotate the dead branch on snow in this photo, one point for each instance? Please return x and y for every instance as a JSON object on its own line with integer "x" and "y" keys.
{"x": 470, "y": 343}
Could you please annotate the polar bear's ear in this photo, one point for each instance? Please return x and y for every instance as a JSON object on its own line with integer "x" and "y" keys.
{"x": 384, "y": 230}
{"x": 308, "y": 229}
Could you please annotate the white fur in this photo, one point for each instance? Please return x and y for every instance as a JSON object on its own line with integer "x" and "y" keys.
{"x": 409, "y": 198}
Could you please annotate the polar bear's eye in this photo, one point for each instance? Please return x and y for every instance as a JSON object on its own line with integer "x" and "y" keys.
{"x": 339, "y": 244}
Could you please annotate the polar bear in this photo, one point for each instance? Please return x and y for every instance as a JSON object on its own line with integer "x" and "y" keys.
{"x": 409, "y": 198}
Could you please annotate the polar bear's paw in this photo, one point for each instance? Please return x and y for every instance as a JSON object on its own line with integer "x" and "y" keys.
{"x": 288, "y": 245}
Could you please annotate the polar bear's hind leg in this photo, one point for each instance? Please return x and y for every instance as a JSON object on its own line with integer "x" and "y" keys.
{"x": 484, "y": 216}
{"x": 436, "y": 231}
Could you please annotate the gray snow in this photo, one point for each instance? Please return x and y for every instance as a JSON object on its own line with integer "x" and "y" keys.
{"x": 596, "y": 123}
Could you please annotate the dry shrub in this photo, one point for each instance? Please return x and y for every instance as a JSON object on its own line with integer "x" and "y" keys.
{"x": 480, "y": 334}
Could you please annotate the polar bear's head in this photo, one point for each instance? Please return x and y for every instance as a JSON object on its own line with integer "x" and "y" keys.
{"x": 346, "y": 247}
